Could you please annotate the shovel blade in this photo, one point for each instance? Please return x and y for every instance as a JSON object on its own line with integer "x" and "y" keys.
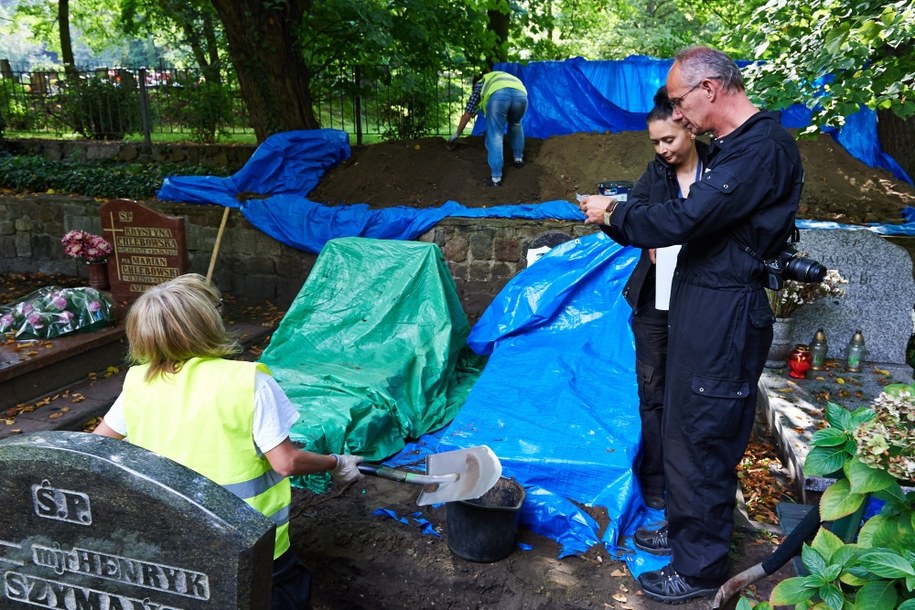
{"x": 477, "y": 469}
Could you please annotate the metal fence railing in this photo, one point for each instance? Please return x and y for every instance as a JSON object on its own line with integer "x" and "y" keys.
{"x": 114, "y": 103}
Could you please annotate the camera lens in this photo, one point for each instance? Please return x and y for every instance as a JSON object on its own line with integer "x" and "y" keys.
{"x": 805, "y": 270}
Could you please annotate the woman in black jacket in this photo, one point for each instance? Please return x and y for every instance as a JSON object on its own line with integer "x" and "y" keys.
{"x": 678, "y": 163}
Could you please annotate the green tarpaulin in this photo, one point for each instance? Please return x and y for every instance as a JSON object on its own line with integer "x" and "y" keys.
{"x": 373, "y": 350}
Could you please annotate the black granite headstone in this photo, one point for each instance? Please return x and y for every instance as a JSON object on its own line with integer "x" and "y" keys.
{"x": 91, "y": 523}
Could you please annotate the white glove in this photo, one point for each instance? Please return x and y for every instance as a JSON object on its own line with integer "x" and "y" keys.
{"x": 347, "y": 468}
{"x": 453, "y": 138}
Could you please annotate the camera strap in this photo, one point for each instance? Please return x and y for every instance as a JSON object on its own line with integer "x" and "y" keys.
{"x": 794, "y": 236}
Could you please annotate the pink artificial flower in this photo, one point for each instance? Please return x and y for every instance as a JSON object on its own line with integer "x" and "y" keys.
{"x": 35, "y": 321}
{"x": 89, "y": 247}
{"x": 66, "y": 316}
{"x": 94, "y": 306}
{"x": 6, "y": 322}
{"x": 59, "y": 303}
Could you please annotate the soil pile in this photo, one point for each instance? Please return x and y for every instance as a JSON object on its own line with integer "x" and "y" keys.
{"x": 429, "y": 171}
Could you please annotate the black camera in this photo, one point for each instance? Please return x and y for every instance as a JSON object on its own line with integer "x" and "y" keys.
{"x": 787, "y": 265}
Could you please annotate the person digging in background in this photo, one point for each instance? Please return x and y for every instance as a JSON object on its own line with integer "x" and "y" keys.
{"x": 720, "y": 324}
{"x": 678, "y": 163}
{"x": 503, "y": 99}
{"x": 226, "y": 419}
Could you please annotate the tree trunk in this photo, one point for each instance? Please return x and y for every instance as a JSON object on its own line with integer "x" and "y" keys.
{"x": 272, "y": 74}
{"x": 66, "y": 44}
{"x": 499, "y": 21}
{"x": 896, "y": 136}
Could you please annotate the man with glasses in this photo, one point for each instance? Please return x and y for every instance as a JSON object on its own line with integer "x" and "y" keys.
{"x": 720, "y": 324}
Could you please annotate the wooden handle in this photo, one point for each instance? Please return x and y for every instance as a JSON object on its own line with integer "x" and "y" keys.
{"x": 222, "y": 229}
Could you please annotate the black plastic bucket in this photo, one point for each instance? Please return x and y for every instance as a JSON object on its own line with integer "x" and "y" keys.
{"x": 484, "y": 529}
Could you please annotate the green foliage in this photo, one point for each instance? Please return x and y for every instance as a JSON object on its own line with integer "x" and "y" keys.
{"x": 833, "y": 55}
{"x": 102, "y": 179}
{"x": 204, "y": 106}
{"x": 14, "y": 110}
{"x": 405, "y": 34}
{"x": 877, "y": 571}
{"x": 101, "y": 107}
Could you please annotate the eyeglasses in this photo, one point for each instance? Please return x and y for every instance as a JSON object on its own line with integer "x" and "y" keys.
{"x": 676, "y": 102}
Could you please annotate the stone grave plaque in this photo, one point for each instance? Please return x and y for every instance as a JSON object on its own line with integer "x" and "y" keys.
{"x": 92, "y": 523}
{"x": 149, "y": 247}
{"x": 878, "y": 299}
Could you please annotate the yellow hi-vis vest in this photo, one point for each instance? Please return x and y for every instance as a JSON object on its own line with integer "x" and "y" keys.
{"x": 493, "y": 81}
{"x": 203, "y": 417}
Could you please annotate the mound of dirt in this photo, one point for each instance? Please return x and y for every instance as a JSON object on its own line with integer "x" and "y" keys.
{"x": 429, "y": 171}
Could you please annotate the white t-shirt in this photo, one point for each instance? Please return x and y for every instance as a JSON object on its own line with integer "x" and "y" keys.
{"x": 274, "y": 413}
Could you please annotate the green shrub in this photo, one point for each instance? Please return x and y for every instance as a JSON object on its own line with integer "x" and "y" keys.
{"x": 203, "y": 106}
{"x": 105, "y": 179}
{"x": 101, "y": 107}
{"x": 14, "y": 113}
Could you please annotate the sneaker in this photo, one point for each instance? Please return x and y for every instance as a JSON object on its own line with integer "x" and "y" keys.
{"x": 519, "y": 163}
{"x": 666, "y": 586}
{"x": 497, "y": 181}
{"x": 652, "y": 541}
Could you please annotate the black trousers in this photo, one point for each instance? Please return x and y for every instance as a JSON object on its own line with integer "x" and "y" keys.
{"x": 717, "y": 347}
{"x": 649, "y": 327}
{"x": 291, "y": 583}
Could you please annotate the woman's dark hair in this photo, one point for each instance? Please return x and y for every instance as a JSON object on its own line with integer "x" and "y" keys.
{"x": 663, "y": 109}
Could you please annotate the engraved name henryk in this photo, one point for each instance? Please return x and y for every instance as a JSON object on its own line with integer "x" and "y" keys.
{"x": 124, "y": 570}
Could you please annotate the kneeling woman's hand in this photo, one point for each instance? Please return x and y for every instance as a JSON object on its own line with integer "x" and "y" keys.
{"x": 347, "y": 468}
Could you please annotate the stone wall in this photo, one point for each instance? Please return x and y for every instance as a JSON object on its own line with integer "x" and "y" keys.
{"x": 483, "y": 254}
{"x": 231, "y": 156}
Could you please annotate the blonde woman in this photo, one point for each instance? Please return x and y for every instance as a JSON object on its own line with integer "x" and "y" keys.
{"x": 226, "y": 419}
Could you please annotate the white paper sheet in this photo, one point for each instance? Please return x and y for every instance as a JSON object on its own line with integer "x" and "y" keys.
{"x": 665, "y": 263}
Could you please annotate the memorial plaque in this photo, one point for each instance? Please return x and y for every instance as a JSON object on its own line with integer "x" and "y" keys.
{"x": 92, "y": 523}
{"x": 149, "y": 247}
{"x": 878, "y": 299}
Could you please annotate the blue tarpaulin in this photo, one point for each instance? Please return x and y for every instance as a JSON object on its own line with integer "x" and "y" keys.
{"x": 557, "y": 400}
{"x": 370, "y": 354}
{"x": 289, "y": 165}
{"x": 616, "y": 95}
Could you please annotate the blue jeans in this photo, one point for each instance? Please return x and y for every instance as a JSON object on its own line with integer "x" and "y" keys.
{"x": 504, "y": 107}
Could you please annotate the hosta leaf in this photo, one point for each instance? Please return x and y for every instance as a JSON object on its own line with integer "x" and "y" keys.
{"x": 880, "y": 595}
{"x": 827, "y": 544}
{"x": 887, "y": 564}
{"x": 838, "y": 501}
{"x": 838, "y": 417}
{"x": 864, "y": 479}
{"x": 832, "y": 595}
{"x": 822, "y": 461}
{"x": 828, "y": 437}
{"x": 790, "y": 591}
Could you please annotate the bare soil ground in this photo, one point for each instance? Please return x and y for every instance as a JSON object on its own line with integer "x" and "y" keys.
{"x": 429, "y": 171}
{"x": 363, "y": 561}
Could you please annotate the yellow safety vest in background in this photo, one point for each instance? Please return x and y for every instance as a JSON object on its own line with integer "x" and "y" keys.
{"x": 493, "y": 81}
{"x": 203, "y": 417}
